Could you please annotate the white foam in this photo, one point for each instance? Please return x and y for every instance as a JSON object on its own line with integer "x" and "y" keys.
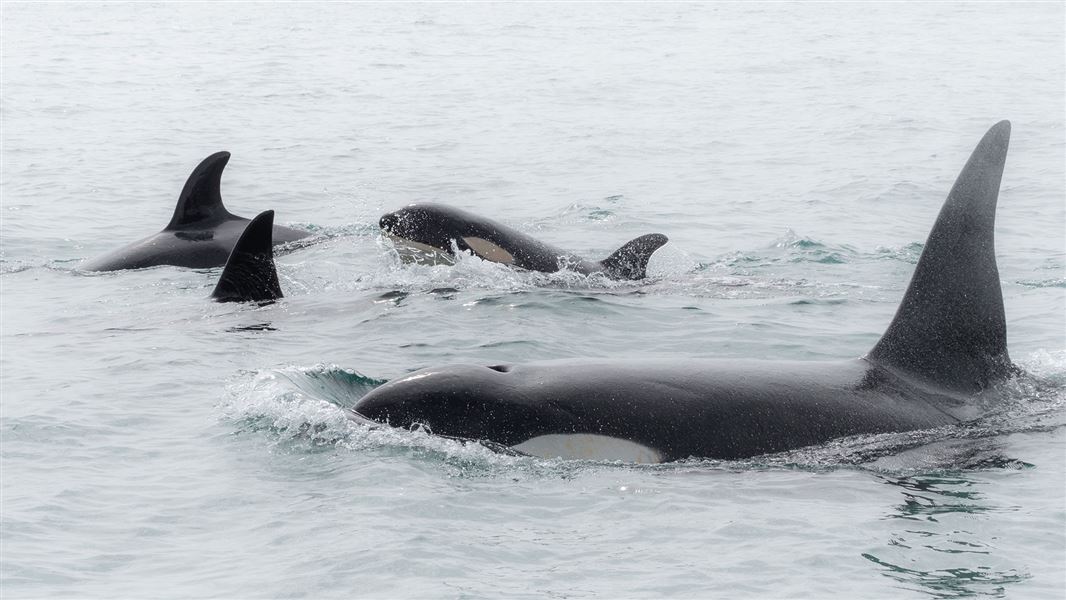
{"x": 411, "y": 251}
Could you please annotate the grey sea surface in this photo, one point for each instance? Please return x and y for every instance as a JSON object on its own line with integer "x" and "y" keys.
{"x": 159, "y": 445}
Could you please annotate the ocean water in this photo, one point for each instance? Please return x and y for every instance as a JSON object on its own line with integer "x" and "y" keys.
{"x": 159, "y": 445}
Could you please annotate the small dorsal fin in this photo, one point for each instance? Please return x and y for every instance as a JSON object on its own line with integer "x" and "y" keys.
{"x": 950, "y": 327}
{"x": 249, "y": 274}
{"x": 200, "y": 201}
{"x": 631, "y": 260}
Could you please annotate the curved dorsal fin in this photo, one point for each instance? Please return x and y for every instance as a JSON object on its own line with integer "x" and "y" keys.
{"x": 200, "y": 201}
{"x": 631, "y": 260}
{"x": 249, "y": 274}
{"x": 950, "y": 328}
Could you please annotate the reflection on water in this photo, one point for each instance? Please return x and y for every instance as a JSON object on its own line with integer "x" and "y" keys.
{"x": 925, "y": 498}
{"x": 395, "y": 297}
{"x": 953, "y": 583}
{"x": 942, "y": 524}
{"x": 252, "y": 327}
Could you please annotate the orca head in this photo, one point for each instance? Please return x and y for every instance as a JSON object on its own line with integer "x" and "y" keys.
{"x": 462, "y": 401}
{"x": 430, "y": 233}
{"x": 494, "y": 405}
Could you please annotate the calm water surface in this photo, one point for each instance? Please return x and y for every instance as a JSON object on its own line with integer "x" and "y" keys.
{"x": 155, "y": 444}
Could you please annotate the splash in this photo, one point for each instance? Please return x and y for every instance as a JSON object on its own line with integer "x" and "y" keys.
{"x": 472, "y": 272}
{"x": 1033, "y": 402}
{"x": 308, "y": 408}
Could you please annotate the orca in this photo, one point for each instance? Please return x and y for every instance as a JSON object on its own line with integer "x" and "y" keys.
{"x": 200, "y": 234}
{"x": 938, "y": 363}
{"x": 430, "y": 233}
{"x": 250, "y": 274}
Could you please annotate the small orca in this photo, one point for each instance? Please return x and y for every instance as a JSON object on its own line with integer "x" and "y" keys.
{"x": 946, "y": 345}
{"x": 427, "y": 233}
{"x": 200, "y": 234}
{"x": 250, "y": 274}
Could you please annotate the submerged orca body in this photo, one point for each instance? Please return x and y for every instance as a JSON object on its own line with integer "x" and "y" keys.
{"x": 431, "y": 232}
{"x": 201, "y": 233}
{"x": 946, "y": 344}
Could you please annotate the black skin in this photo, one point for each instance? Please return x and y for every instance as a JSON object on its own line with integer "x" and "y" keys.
{"x": 250, "y": 275}
{"x": 440, "y": 226}
{"x": 201, "y": 233}
{"x": 945, "y": 346}
{"x": 724, "y": 409}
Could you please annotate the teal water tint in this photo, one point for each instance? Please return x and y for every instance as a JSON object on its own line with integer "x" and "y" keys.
{"x": 156, "y": 444}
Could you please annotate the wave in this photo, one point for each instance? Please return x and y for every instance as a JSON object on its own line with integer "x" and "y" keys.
{"x": 305, "y": 409}
{"x": 1055, "y": 282}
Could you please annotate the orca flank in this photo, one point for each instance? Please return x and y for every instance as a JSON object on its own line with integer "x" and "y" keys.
{"x": 946, "y": 343}
{"x": 428, "y": 233}
{"x": 201, "y": 232}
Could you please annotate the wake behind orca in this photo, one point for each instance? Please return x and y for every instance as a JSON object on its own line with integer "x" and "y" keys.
{"x": 427, "y": 232}
{"x": 945, "y": 348}
{"x": 201, "y": 233}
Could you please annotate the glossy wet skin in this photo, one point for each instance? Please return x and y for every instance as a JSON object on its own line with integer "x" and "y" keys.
{"x": 427, "y": 232}
{"x": 433, "y": 226}
{"x": 946, "y": 344}
{"x": 201, "y": 232}
{"x": 722, "y": 409}
{"x": 194, "y": 247}
{"x": 441, "y": 227}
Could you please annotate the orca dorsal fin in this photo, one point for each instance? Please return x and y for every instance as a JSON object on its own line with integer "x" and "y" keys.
{"x": 249, "y": 274}
{"x": 950, "y": 328}
{"x": 200, "y": 201}
{"x": 631, "y": 260}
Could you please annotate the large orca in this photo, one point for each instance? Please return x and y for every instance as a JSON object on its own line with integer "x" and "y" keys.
{"x": 946, "y": 346}
{"x": 431, "y": 232}
{"x": 200, "y": 234}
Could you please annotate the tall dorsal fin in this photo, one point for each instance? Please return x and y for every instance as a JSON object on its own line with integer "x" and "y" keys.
{"x": 631, "y": 260}
{"x": 950, "y": 328}
{"x": 249, "y": 275}
{"x": 200, "y": 201}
